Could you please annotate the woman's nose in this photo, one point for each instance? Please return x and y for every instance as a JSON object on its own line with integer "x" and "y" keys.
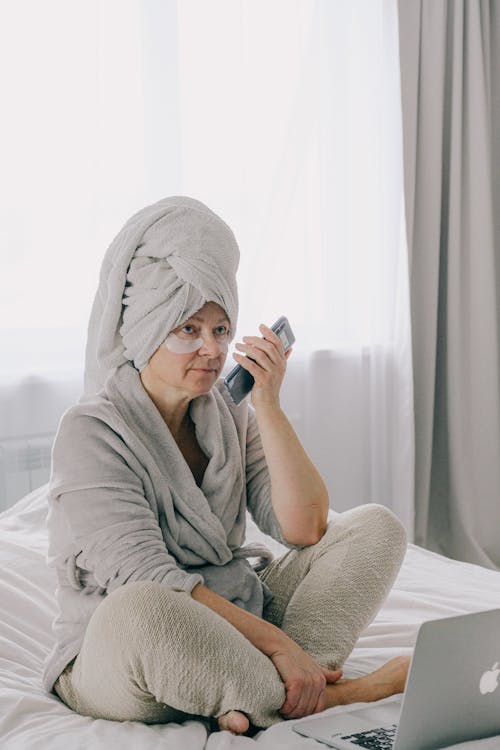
{"x": 211, "y": 346}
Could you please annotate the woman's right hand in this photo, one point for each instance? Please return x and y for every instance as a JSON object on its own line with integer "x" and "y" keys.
{"x": 304, "y": 680}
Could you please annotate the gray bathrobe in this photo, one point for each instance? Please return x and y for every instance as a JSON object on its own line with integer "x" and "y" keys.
{"x": 124, "y": 505}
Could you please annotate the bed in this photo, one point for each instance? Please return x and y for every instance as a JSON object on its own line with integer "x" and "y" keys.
{"x": 429, "y": 586}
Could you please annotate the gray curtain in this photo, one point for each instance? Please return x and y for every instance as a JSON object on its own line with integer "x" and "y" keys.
{"x": 449, "y": 54}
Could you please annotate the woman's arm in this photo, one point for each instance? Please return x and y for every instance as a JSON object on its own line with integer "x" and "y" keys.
{"x": 299, "y": 495}
{"x": 304, "y": 680}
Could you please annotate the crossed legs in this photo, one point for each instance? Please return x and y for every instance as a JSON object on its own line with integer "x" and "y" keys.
{"x": 152, "y": 654}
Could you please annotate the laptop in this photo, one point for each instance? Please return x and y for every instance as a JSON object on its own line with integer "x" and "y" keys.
{"x": 452, "y": 693}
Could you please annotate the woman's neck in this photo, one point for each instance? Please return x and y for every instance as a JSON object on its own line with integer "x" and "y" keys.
{"x": 174, "y": 410}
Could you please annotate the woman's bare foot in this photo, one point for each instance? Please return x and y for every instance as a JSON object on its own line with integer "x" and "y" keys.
{"x": 234, "y": 721}
{"x": 388, "y": 680}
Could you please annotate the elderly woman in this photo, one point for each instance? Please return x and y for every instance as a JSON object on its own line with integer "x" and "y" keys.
{"x": 161, "y": 615}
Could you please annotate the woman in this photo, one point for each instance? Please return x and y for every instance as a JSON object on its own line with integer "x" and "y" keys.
{"x": 161, "y": 616}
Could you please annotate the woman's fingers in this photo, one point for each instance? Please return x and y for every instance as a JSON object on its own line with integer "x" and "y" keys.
{"x": 303, "y": 678}
{"x": 271, "y": 336}
{"x": 253, "y": 367}
{"x": 320, "y": 705}
{"x": 266, "y": 351}
{"x": 296, "y": 702}
{"x": 332, "y": 675}
{"x": 258, "y": 355}
{"x": 266, "y": 361}
{"x": 302, "y": 695}
{"x": 266, "y": 348}
{"x": 292, "y": 698}
{"x": 302, "y": 701}
{"x": 270, "y": 343}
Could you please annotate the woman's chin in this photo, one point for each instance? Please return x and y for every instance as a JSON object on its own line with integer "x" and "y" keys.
{"x": 202, "y": 381}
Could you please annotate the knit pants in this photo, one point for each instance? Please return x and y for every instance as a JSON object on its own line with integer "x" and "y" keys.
{"x": 153, "y": 654}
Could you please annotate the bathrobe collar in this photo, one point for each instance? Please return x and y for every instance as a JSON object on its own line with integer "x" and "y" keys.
{"x": 202, "y": 524}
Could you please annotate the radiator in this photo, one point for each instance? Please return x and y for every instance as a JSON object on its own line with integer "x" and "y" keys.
{"x": 24, "y": 466}
{"x": 30, "y": 409}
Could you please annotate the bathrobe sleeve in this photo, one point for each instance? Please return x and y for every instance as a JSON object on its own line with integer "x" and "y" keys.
{"x": 258, "y": 482}
{"x": 99, "y": 517}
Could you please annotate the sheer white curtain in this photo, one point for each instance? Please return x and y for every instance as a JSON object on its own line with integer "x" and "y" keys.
{"x": 89, "y": 133}
{"x": 285, "y": 118}
{"x": 291, "y": 123}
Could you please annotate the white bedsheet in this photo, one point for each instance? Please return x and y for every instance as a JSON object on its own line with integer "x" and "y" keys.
{"x": 429, "y": 586}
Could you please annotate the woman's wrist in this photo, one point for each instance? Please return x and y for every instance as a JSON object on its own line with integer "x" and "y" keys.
{"x": 271, "y": 640}
{"x": 267, "y": 410}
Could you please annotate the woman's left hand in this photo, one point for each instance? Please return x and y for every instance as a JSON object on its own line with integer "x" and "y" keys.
{"x": 269, "y": 366}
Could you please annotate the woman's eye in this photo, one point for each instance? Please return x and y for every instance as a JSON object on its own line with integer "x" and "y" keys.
{"x": 222, "y": 331}
{"x": 185, "y": 329}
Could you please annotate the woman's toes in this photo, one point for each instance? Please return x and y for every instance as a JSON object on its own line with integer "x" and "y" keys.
{"x": 234, "y": 721}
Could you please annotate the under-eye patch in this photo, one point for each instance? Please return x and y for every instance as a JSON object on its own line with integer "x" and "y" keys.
{"x": 183, "y": 342}
{"x": 178, "y": 345}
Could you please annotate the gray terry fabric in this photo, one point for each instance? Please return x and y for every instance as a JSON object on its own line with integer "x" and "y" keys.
{"x": 124, "y": 505}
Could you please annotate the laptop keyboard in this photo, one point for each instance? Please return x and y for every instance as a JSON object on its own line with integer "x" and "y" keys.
{"x": 381, "y": 738}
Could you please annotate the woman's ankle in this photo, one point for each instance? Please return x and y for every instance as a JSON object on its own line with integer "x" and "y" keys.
{"x": 346, "y": 691}
{"x": 385, "y": 681}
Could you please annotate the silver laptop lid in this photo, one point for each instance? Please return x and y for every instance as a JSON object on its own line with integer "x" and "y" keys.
{"x": 453, "y": 689}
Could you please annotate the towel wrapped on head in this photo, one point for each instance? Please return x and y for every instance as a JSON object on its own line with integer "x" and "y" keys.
{"x": 167, "y": 261}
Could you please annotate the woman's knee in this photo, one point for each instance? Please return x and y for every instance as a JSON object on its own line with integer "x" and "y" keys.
{"x": 372, "y": 521}
{"x": 383, "y": 521}
{"x": 386, "y": 537}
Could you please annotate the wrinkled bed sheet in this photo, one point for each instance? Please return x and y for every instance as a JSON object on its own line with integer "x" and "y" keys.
{"x": 429, "y": 586}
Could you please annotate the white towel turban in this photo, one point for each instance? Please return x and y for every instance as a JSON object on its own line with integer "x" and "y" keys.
{"x": 167, "y": 261}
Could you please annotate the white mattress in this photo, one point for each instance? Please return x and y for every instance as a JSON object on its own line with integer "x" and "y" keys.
{"x": 429, "y": 586}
